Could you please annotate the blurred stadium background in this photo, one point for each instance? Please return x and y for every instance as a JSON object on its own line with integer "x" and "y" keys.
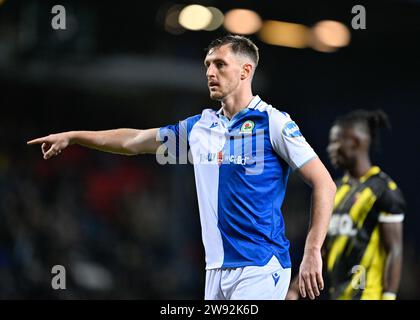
{"x": 128, "y": 228}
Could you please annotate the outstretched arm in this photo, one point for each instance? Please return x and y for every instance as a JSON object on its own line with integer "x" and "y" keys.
{"x": 121, "y": 141}
{"x": 391, "y": 234}
{"x": 323, "y": 193}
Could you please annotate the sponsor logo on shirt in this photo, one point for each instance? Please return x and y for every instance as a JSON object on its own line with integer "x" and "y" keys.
{"x": 224, "y": 158}
{"x": 220, "y": 158}
{"x": 291, "y": 130}
{"x": 342, "y": 224}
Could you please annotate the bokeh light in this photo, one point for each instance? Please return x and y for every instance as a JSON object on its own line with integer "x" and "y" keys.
{"x": 216, "y": 20}
{"x": 284, "y": 34}
{"x": 328, "y": 36}
{"x": 195, "y": 17}
{"x": 242, "y": 21}
{"x": 171, "y": 23}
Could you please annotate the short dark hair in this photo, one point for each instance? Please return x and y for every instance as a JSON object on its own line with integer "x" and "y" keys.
{"x": 370, "y": 121}
{"x": 239, "y": 44}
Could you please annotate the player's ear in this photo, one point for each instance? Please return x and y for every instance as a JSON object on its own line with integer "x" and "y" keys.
{"x": 246, "y": 70}
{"x": 355, "y": 142}
{"x": 361, "y": 140}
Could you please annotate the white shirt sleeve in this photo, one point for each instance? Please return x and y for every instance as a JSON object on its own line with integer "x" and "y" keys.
{"x": 288, "y": 141}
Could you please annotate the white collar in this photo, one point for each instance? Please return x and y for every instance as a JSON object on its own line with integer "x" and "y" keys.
{"x": 254, "y": 102}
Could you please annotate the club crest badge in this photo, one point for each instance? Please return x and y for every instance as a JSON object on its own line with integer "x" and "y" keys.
{"x": 247, "y": 126}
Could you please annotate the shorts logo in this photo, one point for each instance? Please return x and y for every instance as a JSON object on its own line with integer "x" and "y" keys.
{"x": 247, "y": 126}
{"x": 276, "y": 278}
{"x": 291, "y": 130}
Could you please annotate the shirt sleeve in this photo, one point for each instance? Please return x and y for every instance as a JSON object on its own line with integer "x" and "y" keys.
{"x": 175, "y": 137}
{"x": 391, "y": 204}
{"x": 288, "y": 141}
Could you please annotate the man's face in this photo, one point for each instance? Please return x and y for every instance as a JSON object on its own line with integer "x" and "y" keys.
{"x": 342, "y": 147}
{"x": 223, "y": 72}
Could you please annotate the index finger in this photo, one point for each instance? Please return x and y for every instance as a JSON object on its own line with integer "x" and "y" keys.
{"x": 37, "y": 141}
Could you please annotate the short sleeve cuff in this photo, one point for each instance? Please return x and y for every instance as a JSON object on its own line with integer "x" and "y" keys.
{"x": 385, "y": 217}
{"x": 300, "y": 165}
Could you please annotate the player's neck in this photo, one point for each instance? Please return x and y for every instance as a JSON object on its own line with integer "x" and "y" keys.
{"x": 362, "y": 166}
{"x": 233, "y": 104}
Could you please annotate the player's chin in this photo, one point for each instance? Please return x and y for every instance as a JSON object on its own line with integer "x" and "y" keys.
{"x": 335, "y": 163}
{"x": 339, "y": 164}
{"x": 335, "y": 160}
{"x": 215, "y": 95}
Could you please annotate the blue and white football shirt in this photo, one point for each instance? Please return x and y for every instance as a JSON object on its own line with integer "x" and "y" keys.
{"x": 241, "y": 169}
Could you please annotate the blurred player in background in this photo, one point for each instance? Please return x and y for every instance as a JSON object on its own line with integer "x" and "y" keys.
{"x": 363, "y": 251}
{"x": 240, "y": 192}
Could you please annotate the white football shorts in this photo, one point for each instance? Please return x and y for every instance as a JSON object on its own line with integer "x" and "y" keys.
{"x": 269, "y": 282}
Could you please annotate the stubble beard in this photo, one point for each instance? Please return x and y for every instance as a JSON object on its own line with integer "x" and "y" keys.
{"x": 217, "y": 96}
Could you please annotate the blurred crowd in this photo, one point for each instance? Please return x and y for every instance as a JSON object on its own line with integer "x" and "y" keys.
{"x": 107, "y": 219}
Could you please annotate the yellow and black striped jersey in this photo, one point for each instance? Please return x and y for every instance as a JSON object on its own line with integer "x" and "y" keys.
{"x": 355, "y": 254}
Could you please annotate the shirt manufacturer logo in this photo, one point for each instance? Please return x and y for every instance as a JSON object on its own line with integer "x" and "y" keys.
{"x": 276, "y": 278}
